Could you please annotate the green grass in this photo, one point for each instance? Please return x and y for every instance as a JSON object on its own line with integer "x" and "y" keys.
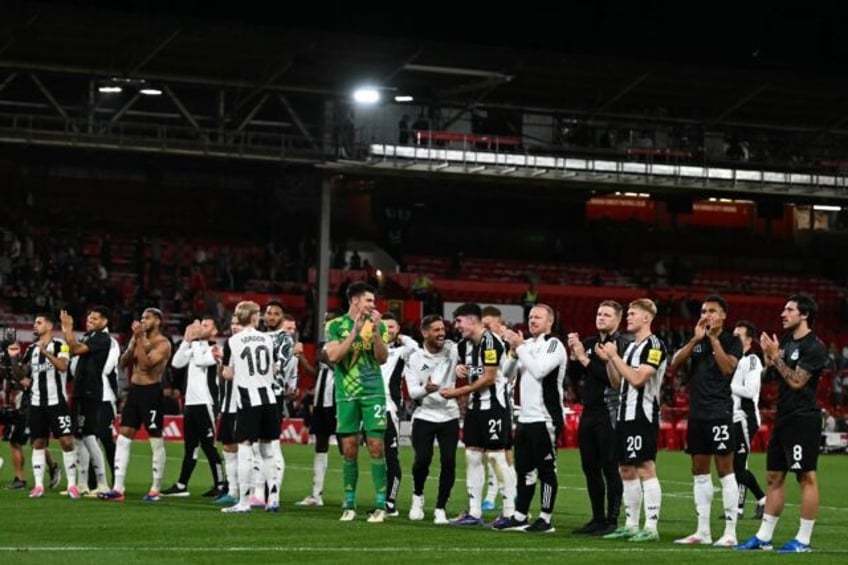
{"x": 59, "y": 530}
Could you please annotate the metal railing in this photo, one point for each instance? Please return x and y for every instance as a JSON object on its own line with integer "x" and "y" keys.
{"x": 148, "y": 137}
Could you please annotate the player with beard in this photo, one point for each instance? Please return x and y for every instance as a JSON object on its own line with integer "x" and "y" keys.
{"x": 596, "y": 432}
{"x": 400, "y": 348}
{"x": 148, "y": 354}
{"x": 430, "y": 369}
{"x": 799, "y": 358}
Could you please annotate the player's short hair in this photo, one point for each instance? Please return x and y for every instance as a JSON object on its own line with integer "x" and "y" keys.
{"x": 491, "y": 311}
{"x": 276, "y": 303}
{"x": 806, "y": 306}
{"x": 468, "y": 309}
{"x": 429, "y": 320}
{"x": 547, "y": 309}
{"x": 617, "y": 308}
{"x": 388, "y": 316}
{"x": 245, "y": 310}
{"x": 289, "y": 318}
{"x": 102, "y": 310}
{"x": 358, "y": 289}
{"x": 155, "y": 311}
{"x": 645, "y": 305}
{"x": 48, "y": 317}
{"x": 718, "y": 300}
{"x": 750, "y": 329}
{"x": 213, "y": 319}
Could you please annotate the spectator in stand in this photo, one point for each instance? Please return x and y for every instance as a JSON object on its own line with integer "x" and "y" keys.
{"x": 403, "y": 130}
{"x": 529, "y": 299}
{"x": 106, "y": 251}
{"x": 834, "y": 358}
{"x": 836, "y": 398}
{"x": 421, "y": 287}
{"x": 355, "y": 261}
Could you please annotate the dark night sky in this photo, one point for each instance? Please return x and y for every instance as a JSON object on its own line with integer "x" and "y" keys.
{"x": 746, "y": 33}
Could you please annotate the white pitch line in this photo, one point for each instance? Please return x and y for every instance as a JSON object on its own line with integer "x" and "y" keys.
{"x": 403, "y": 549}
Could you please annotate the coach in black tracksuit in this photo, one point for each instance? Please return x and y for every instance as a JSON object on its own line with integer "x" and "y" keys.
{"x": 596, "y": 434}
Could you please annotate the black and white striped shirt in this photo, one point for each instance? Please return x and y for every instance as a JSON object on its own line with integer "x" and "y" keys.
{"x": 642, "y": 403}
{"x": 49, "y": 385}
{"x": 325, "y": 392}
{"x": 251, "y": 356}
{"x": 478, "y": 356}
{"x": 541, "y": 361}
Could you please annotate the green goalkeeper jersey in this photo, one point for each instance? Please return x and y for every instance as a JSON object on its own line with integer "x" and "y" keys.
{"x": 358, "y": 375}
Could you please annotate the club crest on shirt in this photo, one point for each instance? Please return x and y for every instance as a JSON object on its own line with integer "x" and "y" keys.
{"x": 794, "y": 355}
{"x": 490, "y": 356}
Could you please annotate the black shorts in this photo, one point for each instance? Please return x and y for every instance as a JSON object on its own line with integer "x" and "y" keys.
{"x": 92, "y": 417}
{"x": 794, "y": 444}
{"x": 44, "y": 420}
{"x": 227, "y": 428}
{"x": 199, "y": 422}
{"x": 710, "y": 437}
{"x": 741, "y": 437}
{"x": 258, "y": 423}
{"x": 17, "y": 431}
{"x": 637, "y": 441}
{"x": 143, "y": 407}
{"x": 323, "y": 421}
{"x": 487, "y": 429}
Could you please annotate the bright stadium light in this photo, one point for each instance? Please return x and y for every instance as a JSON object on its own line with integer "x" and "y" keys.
{"x": 366, "y": 95}
{"x": 826, "y": 208}
{"x": 403, "y": 98}
{"x": 151, "y": 91}
{"x": 110, "y": 89}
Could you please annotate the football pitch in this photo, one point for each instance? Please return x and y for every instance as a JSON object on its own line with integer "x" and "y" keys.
{"x": 55, "y": 529}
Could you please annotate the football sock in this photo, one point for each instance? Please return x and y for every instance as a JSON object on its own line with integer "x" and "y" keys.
{"x": 350, "y": 476}
{"x": 632, "y": 499}
{"x": 378, "y": 477}
{"x": 703, "y": 492}
{"x": 39, "y": 462}
{"x": 122, "y": 459}
{"x": 653, "y": 502}
{"x": 319, "y": 471}
{"x": 157, "y": 444}
{"x": 69, "y": 458}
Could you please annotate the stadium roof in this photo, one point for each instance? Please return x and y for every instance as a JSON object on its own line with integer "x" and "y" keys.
{"x": 589, "y": 65}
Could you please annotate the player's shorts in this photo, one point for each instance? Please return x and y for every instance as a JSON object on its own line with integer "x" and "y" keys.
{"x": 17, "y": 431}
{"x": 637, "y": 441}
{"x": 323, "y": 421}
{"x": 92, "y": 417}
{"x": 366, "y": 414}
{"x": 143, "y": 407}
{"x": 794, "y": 444}
{"x": 44, "y": 420}
{"x": 710, "y": 437}
{"x": 227, "y": 428}
{"x": 487, "y": 429}
{"x": 199, "y": 422}
{"x": 258, "y": 423}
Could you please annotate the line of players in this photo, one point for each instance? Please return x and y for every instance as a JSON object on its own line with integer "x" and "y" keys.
{"x": 723, "y": 410}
